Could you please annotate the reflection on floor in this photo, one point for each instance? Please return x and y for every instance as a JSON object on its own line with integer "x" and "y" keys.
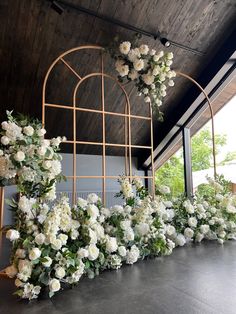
{"x": 194, "y": 279}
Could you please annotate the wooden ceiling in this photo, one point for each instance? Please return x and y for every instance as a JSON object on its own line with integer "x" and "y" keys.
{"x": 33, "y": 35}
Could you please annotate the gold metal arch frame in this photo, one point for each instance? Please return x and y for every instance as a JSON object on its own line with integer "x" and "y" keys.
{"x": 212, "y": 116}
{"x": 127, "y": 123}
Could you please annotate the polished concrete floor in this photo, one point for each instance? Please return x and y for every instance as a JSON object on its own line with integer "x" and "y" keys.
{"x": 194, "y": 279}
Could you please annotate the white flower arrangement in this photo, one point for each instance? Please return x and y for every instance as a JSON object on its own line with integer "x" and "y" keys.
{"x": 55, "y": 245}
{"x": 150, "y": 70}
{"x": 20, "y": 160}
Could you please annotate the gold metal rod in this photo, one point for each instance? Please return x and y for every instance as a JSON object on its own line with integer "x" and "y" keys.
{"x": 103, "y": 138}
{"x": 107, "y": 176}
{"x": 130, "y": 143}
{"x": 107, "y": 144}
{"x": 97, "y": 111}
{"x": 1, "y": 206}
{"x": 152, "y": 157}
{"x": 126, "y": 150}
{"x": 69, "y": 67}
{"x": 212, "y": 117}
{"x": 74, "y": 150}
{"x": 53, "y": 65}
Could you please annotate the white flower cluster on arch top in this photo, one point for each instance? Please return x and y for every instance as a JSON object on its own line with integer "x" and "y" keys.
{"x": 150, "y": 70}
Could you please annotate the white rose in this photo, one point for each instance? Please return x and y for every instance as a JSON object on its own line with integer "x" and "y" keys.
{"x": 129, "y": 234}
{"x": 158, "y": 102}
{"x": 144, "y": 49}
{"x": 168, "y": 204}
{"x": 42, "y": 150}
{"x": 63, "y": 237}
{"x": 125, "y": 47}
{"x": 93, "y": 237}
{"x": 5, "y": 140}
{"x": 40, "y": 238}
{"x": 148, "y": 79}
{"x": 28, "y": 130}
{"x": 82, "y": 253}
{"x": 56, "y": 244}
{"x": 156, "y": 58}
{"x": 11, "y": 271}
{"x": 81, "y": 202}
{"x": 20, "y": 253}
{"x": 92, "y": 198}
{"x": 45, "y": 143}
{"x": 188, "y": 233}
{"x": 48, "y": 261}
{"x": 47, "y": 164}
{"x": 132, "y": 255}
{"x": 192, "y": 222}
{"x": 180, "y": 240}
{"x": 111, "y": 244}
{"x": 4, "y": 125}
{"x": 54, "y": 285}
{"x": 123, "y": 70}
{"x": 41, "y": 132}
{"x": 199, "y": 237}
{"x": 145, "y": 91}
{"x": 122, "y": 251}
{"x": 152, "y": 52}
{"x": 12, "y": 235}
{"x": 25, "y": 269}
{"x": 204, "y": 229}
{"x": 162, "y": 77}
{"x": 171, "y": 83}
{"x": 170, "y": 230}
{"x": 19, "y": 156}
{"x": 34, "y": 254}
{"x": 138, "y": 64}
{"x": 125, "y": 224}
{"x": 169, "y": 62}
{"x": 93, "y": 211}
{"x": 93, "y": 252}
{"x": 169, "y": 55}
{"x": 60, "y": 272}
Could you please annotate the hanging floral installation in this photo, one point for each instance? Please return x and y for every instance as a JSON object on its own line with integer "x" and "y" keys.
{"x": 54, "y": 244}
{"x": 149, "y": 69}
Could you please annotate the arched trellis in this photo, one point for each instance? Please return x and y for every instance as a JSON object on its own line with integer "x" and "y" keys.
{"x": 212, "y": 116}
{"x": 127, "y": 123}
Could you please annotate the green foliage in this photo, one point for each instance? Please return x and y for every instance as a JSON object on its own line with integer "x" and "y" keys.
{"x": 172, "y": 175}
{"x": 172, "y": 172}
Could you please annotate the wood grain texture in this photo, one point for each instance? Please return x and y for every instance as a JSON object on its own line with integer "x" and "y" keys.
{"x": 33, "y": 35}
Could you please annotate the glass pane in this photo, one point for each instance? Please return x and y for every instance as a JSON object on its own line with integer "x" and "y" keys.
{"x": 171, "y": 173}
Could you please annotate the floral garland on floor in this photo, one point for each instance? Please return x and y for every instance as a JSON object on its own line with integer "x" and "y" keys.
{"x": 55, "y": 245}
{"x": 150, "y": 70}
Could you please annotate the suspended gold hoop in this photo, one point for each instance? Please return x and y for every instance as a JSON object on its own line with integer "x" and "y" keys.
{"x": 127, "y": 123}
{"x": 212, "y": 116}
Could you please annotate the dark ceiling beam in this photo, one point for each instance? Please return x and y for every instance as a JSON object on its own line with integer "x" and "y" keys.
{"x": 59, "y": 4}
{"x": 193, "y": 101}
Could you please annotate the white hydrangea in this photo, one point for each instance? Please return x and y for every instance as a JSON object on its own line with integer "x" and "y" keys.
{"x": 125, "y": 47}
